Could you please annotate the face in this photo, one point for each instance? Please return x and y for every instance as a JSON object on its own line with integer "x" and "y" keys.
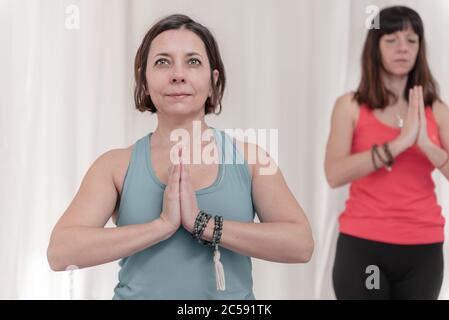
{"x": 178, "y": 73}
{"x": 399, "y": 51}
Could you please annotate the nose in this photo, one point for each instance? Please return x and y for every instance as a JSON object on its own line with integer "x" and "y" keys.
{"x": 177, "y": 79}
{"x": 403, "y": 45}
{"x": 177, "y": 76}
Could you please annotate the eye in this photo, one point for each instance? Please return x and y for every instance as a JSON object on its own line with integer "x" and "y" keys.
{"x": 194, "y": 61}
{"x": 390, "y": 40}
{"x": 161, "y": 62}
{"x": 412, "y": 40}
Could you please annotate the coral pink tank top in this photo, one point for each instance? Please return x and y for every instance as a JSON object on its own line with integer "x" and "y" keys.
{"x": 397, "y": 207}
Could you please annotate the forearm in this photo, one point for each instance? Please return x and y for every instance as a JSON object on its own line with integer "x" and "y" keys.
{"x": 438, "y": 157}
{"x": 354, "y": 166}
{"x": 274, "y": 241}
{"x": 83, "y": 246}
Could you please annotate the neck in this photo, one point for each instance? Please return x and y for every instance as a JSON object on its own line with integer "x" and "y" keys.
{"x": 396, "y": 84}
{"x": 194, "y": 126}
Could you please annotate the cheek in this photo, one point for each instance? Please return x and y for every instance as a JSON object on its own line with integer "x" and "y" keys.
{"x": 202, "y": 83}
{"x": 155, "y": 82}
{"x": 384, "y": 56}
{"x": 385, "y": 52}
{"x": 415, "y": 52}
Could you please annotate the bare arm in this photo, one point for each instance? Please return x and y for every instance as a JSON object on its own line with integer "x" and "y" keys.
{"x": 284, "y": 234}
{"x": 79, "y": 238}
{"x": 341, "y": 166}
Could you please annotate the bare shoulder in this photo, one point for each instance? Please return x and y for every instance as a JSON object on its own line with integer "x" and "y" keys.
{"x": 119, "y": 159}
{"x": 257, "y": 158}
{"x": 114, "y": 163}
{"x": 441, "y": 113}
{"x": 346, "y": 106}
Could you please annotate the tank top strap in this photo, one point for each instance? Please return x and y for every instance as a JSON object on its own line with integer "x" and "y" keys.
{"x": 365, "y": 115}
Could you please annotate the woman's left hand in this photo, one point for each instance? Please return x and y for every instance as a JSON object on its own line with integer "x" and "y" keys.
{"x": 423, "y": 140}
{"x": 189, "y": 206}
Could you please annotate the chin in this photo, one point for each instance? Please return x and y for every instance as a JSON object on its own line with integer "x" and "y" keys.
{"x": 180, "y": 109}
{"x": 399, "y": 72}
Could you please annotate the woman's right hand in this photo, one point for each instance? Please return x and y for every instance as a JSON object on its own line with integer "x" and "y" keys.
{"x": 409, "y": 131}
{"x": 171, "y": 209}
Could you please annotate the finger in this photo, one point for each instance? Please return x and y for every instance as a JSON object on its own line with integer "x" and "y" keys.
{"x": 421, "y": 96}
{"x": 188, "y": 179}
{"x": 184, "y": 174}
{"x": 421, "y": 103}
{"x": 170, "y": 178}
{"x": 422, "y": 109}
{"x": 180, "y": 147}
{"x": 173, "y": 180}
{"x": 412, "y": 107}
{"x": 415, "y": 101}
{"x": 175, "y": 177}
{"x": 178, "y": 153}
{"x": 410, "y": 101}
{"x": 186, "y": 183}
{"x": 170, "y": 172}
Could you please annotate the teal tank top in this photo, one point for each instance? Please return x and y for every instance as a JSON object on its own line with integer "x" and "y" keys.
{"x": 180, "y": 267}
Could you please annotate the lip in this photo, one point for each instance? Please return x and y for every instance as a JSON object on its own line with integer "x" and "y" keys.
{"x": 179, "y": 95}
{"x": 401, "y": 60}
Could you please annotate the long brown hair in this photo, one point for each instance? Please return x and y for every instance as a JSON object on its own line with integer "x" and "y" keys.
{"x": 142, "y": 100}
{"x": 372, "y": 90}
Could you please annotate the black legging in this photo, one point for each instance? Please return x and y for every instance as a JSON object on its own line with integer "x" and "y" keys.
{"x": 405, "y": 271}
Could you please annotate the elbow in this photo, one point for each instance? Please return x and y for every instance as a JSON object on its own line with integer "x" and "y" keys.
{"x": 58, "y": 252}
{"x": 53, "y": 256}
{"x": 53, "y": 260}
{"x": 306, "y": 252}
{"x": 333, "y": 181}
{"x": 303, "y": 250}
{"x": 333, "y": 184}
{"x": 332, "y": 177}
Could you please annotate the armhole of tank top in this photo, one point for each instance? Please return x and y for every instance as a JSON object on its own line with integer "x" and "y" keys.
{"x": 358, "y": 118}
{"x": 238, "y": 153}
{"x": 126, "y": 182}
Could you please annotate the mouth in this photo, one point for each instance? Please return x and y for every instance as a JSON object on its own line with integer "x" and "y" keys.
{"x": 178, "y": 96}
{"x": 401, "y": 61}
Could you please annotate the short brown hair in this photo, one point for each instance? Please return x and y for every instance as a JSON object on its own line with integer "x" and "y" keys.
{"x": 174, "y": 22}
{"x": 371, "y": 90}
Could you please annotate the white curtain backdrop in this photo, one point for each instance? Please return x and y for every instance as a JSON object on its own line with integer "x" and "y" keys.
{"x": 66, "y": 97}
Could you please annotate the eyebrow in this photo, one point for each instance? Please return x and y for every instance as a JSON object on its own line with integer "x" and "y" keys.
{"x": 189, "y": 54}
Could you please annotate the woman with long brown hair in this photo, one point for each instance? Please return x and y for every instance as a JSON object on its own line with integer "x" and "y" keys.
{"x": 386, "y": 139}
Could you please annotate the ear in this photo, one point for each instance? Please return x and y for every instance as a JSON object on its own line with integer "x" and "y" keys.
{"x": 215, "y": 75}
